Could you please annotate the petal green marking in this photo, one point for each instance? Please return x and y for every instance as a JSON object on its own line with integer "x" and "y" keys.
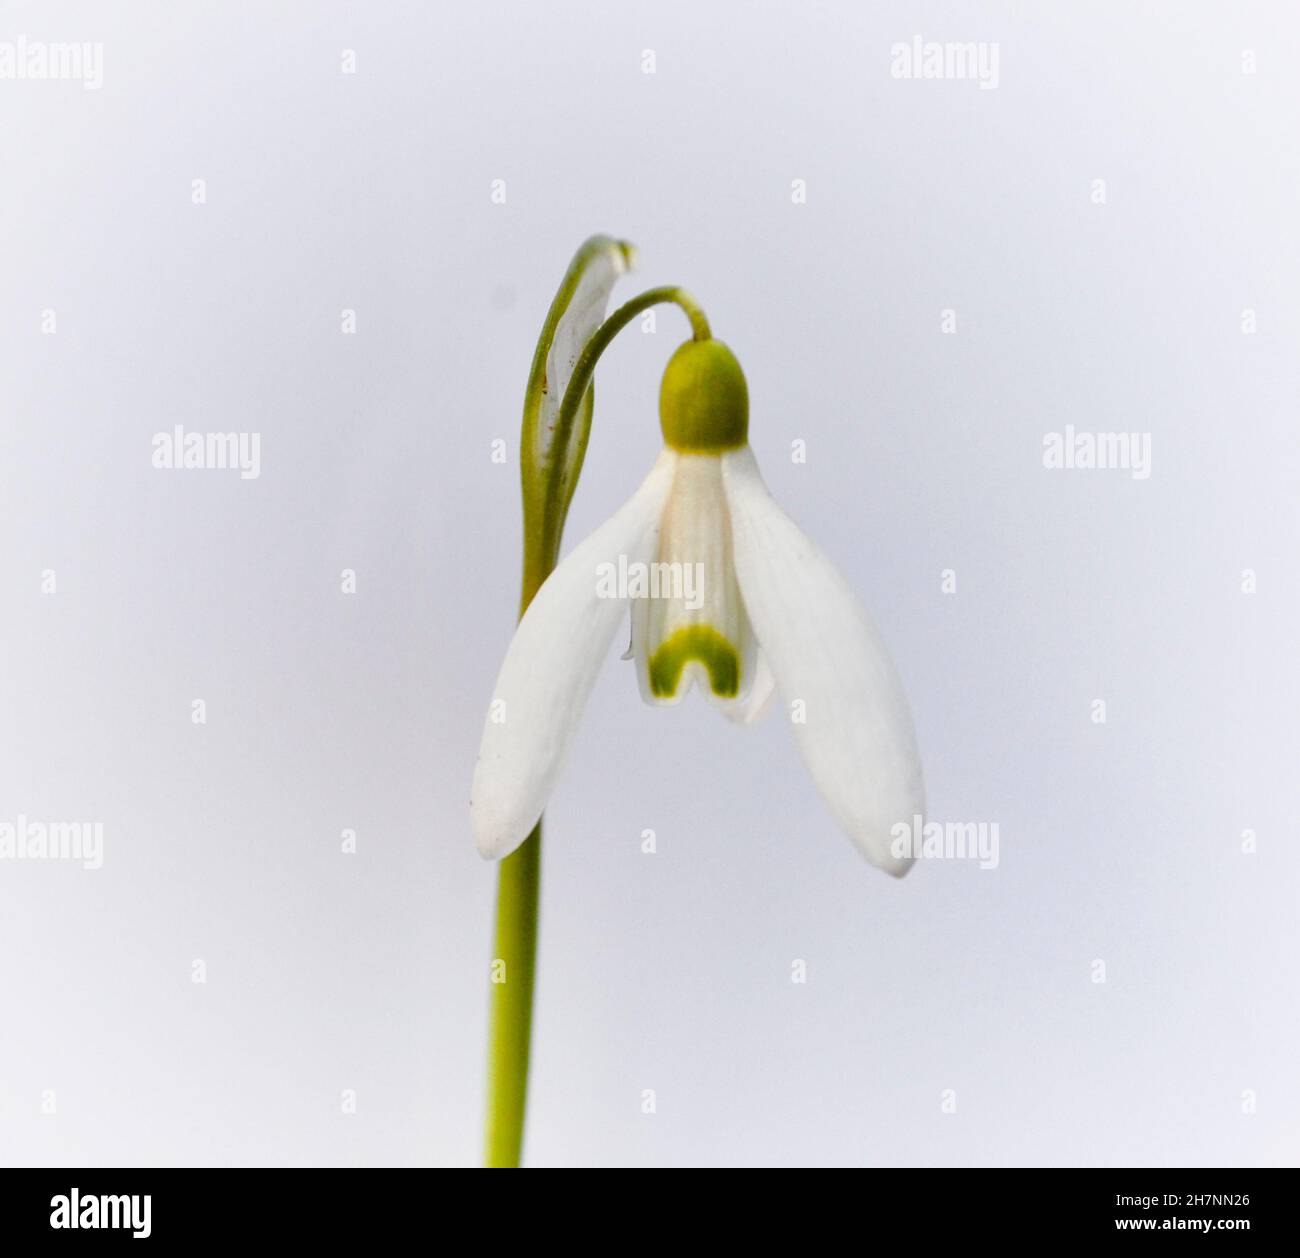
{"x": 695, "y": 642}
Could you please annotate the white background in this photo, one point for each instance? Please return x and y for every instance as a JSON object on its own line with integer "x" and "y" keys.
{"x": 1119, "y": 842}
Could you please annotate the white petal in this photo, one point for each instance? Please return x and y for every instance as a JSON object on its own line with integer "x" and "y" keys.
{"x": 549, "y": 670}
{"x": 857, "y": 738}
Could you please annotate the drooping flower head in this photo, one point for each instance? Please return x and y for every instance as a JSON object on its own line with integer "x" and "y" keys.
{"x": 732, "y": 597}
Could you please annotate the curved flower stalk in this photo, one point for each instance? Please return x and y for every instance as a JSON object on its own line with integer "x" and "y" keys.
{"x": 724, "y": 591}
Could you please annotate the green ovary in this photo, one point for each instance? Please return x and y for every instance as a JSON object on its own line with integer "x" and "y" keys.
{"x": 695, "y": 642}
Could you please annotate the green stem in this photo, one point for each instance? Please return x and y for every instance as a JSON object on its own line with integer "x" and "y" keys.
{"x": 510, "y": 1033}
{"x": 514, "y": 963}
{"x": 519, "y": 877}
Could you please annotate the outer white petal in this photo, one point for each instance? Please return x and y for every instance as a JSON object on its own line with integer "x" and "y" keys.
{"x": 549, "y": 670}
{"x": 857, "y": 739}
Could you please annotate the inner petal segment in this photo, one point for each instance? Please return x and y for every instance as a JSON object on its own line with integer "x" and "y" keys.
{"x": 694, "y": 627}
{"x": 695, "y": 642}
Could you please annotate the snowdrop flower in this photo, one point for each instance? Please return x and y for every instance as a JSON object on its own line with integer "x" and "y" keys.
{"x": 771, "y": 614}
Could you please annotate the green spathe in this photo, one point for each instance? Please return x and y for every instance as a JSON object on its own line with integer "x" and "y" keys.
{"x": 704, "y": 401}
{"x": 695, "y": 642}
